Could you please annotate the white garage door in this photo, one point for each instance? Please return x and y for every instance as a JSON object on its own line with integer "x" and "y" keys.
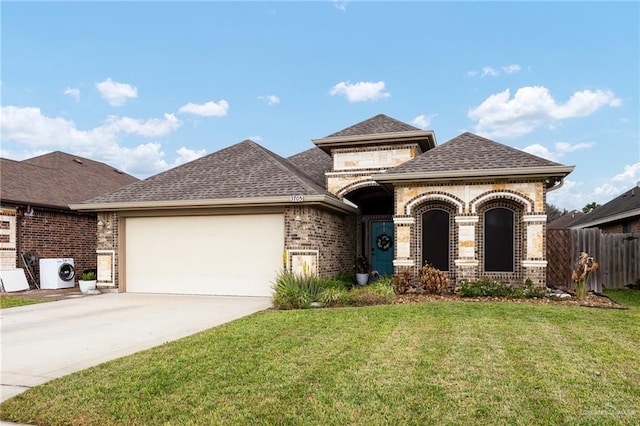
{"x": 235, "y": 255}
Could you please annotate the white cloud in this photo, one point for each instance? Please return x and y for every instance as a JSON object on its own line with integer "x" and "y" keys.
{"x": 340, "y": 5}
{"x": 423, "y": 121}
{"x": 629, "y": 176}
{"x": 40, "y": 134}
{"x": 489, "y": 71}
{"x": 584, "y": 103}
{"x": 502, "y": 116}
{"x": 152, "y": 127}
{"x": 270, "y": 99}
{"x": 116, "y": 93}
{"x": 511, "y": 69}
{"x": 208, "y": 109}
{"x": 185, "y": 155}
{"x": 74, "y": 92}
{"x": 561, "y": 148}
{"x": 361, "y": 91}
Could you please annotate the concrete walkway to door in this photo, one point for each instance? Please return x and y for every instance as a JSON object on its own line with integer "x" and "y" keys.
{"x": 48, "y": 340}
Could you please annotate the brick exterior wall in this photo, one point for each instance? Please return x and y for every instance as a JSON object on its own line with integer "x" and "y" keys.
{"x": 59, "y": 234}
{"x": 466, "y": 205}
{"x": 332, "y": 234}
{"x": 618, "y": 227}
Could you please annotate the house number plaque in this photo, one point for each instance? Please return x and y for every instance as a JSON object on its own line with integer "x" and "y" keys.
{"x": 296, "y": 198}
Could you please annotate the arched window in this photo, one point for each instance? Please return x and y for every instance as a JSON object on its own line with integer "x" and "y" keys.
{"x": 498, "y": 240}
{"x": 435, "y": 238}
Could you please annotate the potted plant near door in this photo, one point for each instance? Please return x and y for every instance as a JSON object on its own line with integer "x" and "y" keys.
{"x": 362, "y": 270}
{"x": 87, "y": 282}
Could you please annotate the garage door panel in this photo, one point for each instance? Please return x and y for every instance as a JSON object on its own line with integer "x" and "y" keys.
{"x": 222, "y": 255}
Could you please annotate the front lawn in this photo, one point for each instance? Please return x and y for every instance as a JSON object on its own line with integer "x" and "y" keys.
{"x": 7, "y": 301}
{"x": 433, "y": 363}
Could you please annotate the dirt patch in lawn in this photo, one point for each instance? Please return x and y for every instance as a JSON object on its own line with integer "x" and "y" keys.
{"x": 592, "y": 300}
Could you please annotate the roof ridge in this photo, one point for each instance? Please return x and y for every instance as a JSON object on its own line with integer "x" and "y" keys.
{"x": 508, "y": 147}
{"x": 288, "y": 167}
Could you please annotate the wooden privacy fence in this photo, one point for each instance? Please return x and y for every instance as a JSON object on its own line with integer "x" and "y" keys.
{"x": 617, "y": 254}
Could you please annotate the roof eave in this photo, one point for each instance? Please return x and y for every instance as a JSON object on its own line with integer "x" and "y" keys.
{"x": 325, "y": 200}
{"x": 505, "y": 173}
{"x": 607, "y": 219}
{"x": 425, "y": 138}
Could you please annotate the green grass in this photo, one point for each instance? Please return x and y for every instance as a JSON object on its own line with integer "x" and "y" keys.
{"x": 13, "y": 301}
{"x": 629, "y": 298}
{"x": 451, "y": 363}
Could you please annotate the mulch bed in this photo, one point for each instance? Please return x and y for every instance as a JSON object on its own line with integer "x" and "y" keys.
{"x": 592, "y": 300}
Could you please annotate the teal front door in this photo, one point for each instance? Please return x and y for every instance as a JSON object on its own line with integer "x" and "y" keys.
{"x": 382, "y": 244}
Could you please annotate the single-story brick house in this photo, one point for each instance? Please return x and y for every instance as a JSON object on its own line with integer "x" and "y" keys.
{"x": 618, "y": 216}
{"x": 227, "y": 222}
{"x": 35, "y": 215}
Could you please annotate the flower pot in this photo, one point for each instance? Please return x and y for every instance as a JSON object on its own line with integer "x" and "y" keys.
{"x": 362, "y": 278}
{"x": 87, "y": 286}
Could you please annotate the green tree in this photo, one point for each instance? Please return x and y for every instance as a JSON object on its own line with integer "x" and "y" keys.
{"x": 590, "y": 207}
{"x": 553, "y": 212}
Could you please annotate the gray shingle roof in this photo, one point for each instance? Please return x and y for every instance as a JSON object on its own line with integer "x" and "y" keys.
{"x": 378, "y": 124}
{"x": 623, "y": 203}
{"x": 244, "y": 170}
{"x": 57, "y": 179}
{"x": 315, "y": 163}
{"x": 566, "y": 220}
{"x": 470, "y": 152}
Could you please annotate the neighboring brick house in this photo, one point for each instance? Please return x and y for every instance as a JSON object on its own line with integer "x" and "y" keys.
{"x": 36, "y": 218}
{"x": 225, "y": 223}
{"x": 619, "y": 216}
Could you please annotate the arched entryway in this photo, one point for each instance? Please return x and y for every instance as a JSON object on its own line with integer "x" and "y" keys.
{"x": 376, "y": 235}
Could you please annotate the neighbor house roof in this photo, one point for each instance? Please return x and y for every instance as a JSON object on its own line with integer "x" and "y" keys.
{"x": 377, "y": 130}
{"x": 472, "y": 156}
{"x": 57, "y": 179}
{"x": 243, "y": 174}
{"x": 622, "y": 207}
{"x": 315, "y": 163}
{"x": 566, "y": 220}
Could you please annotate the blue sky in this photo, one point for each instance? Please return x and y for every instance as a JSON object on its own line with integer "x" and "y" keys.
{"x": 146, "y": 86}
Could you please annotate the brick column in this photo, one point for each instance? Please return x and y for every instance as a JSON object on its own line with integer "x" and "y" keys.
{"x": 404, "y": 226}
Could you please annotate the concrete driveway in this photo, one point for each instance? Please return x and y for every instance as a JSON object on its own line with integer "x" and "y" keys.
{"x": 49, "y": 340}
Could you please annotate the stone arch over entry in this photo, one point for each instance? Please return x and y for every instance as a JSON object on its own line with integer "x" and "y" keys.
{"x": 526, "y": 202}
{"x": 427, "y": 197}
{"x": 353, "y": 186}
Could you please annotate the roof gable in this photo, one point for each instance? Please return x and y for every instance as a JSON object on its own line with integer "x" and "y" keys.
{"x": 243, "y": 170}
{"x": 378, "y": 124}
{"x": 58, "y": 179}
{"x": 380, "y": 130}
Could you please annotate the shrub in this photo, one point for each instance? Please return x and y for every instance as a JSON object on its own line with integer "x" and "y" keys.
{"x": 294, "y": 291}
{"x": 486, "y": 287}
{"x": 337, "y": 282}
{"x": 402, "y": 282}
{"x": 379, "y": 293}
{"x": 433, "y": 280}
{"x": 332, "y": 297}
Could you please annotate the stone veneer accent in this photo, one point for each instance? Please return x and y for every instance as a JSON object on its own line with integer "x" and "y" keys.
{"x": 466, "y": 204}
{"x": 107, "y": 227}
{"x": 353, "y": 167}
{"x": 332, "y": 235}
